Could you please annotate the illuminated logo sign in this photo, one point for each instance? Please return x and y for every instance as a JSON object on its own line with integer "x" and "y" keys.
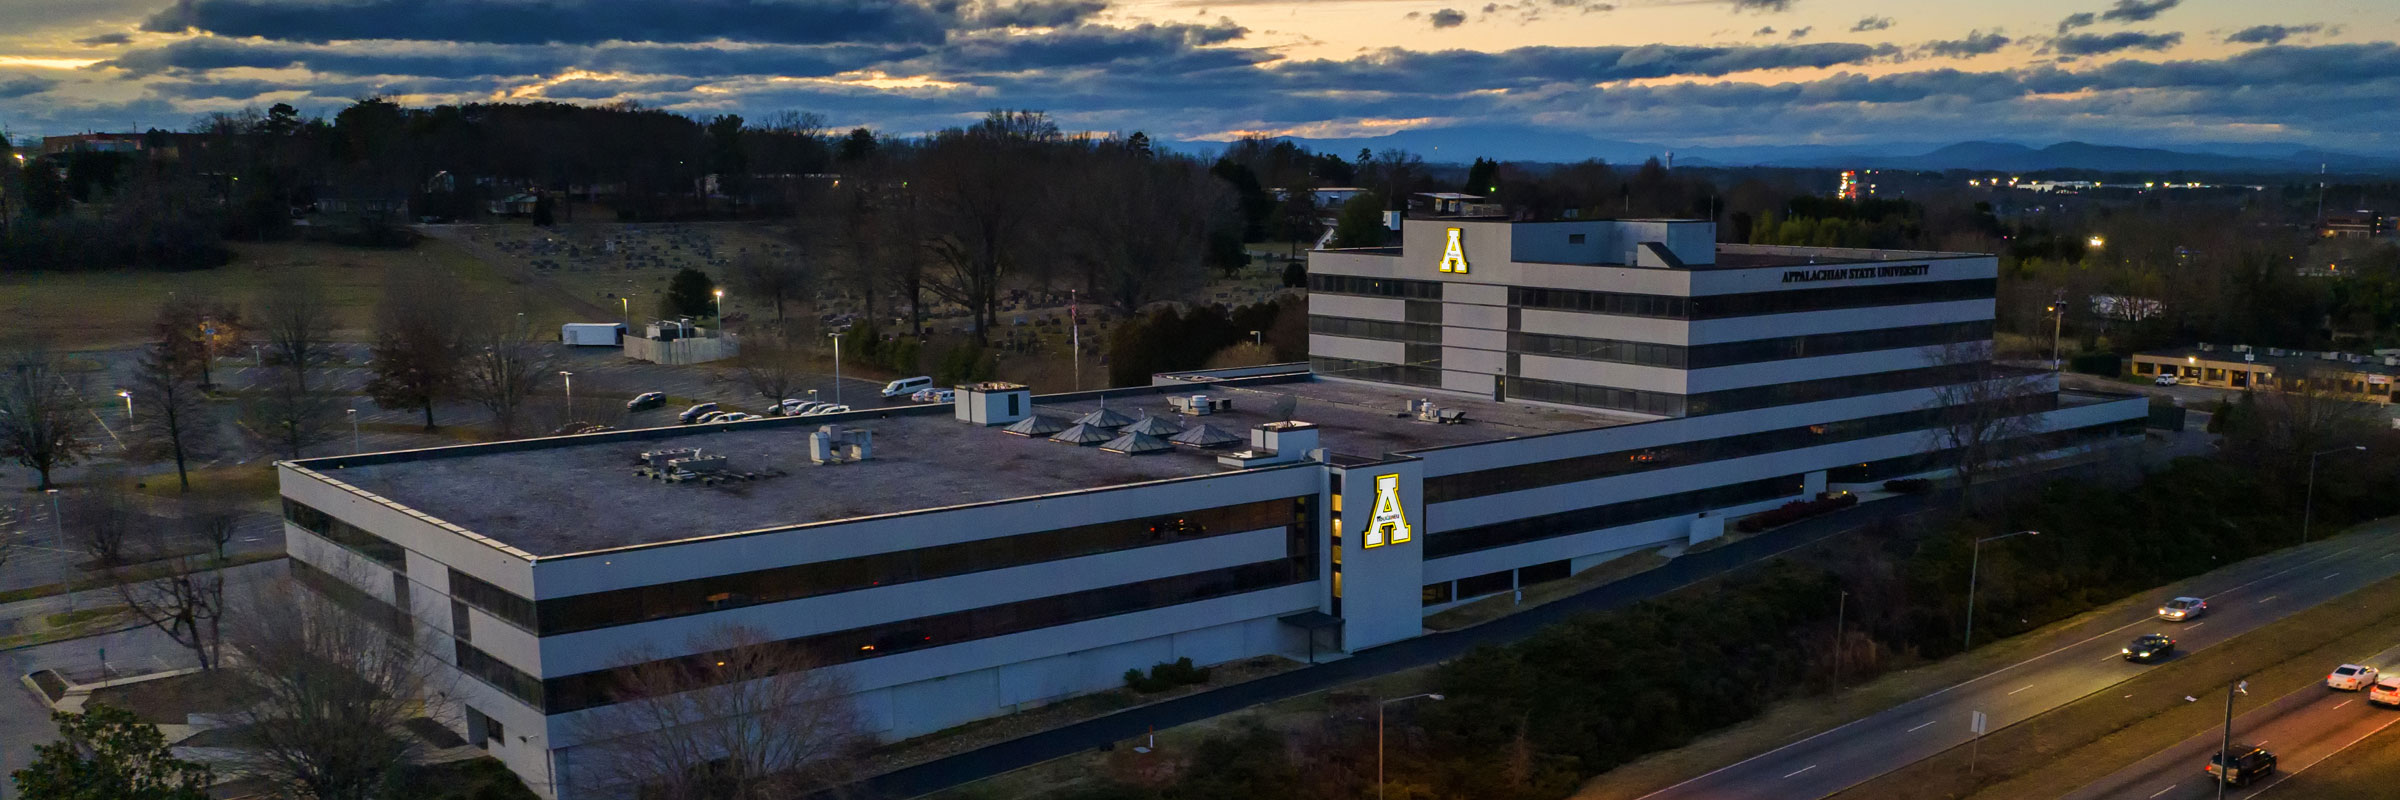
{"x": 1455, "y": 258}
{"x": 1851, "y": 273}
{"x": 1389, "y": 524}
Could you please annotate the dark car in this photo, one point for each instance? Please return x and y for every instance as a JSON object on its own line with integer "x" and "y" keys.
{"x": 2250, "y": 763}
{"x": 2149, "y": 648}
{"x": 693, "y": 414}
{"x": 646, "y": 401}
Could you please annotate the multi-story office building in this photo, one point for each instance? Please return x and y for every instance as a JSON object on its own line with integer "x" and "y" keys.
{"x": 1488, "y": 405}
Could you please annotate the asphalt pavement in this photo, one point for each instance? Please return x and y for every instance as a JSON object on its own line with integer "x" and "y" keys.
{"x": 2301, "y": 728}
{"x": 2075, "y": 662}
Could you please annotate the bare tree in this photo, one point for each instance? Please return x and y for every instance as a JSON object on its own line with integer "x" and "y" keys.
{"x": 175, "y": 422}
{"x": 981, "y": 206}
{"x": 744, "y": 719}
{"x": 283, "y": 414}
{"x": 771, "y": 366}
{"x": 501, "y": 366}
{"x": 778, "y": 279}
{"x": 104, "y": 519}
{"x": 417, "y": 351}
{"x": 295, "y": 324}
{"x": 43, "y": 423}
{"x": 326, "y": 689}
{"x": 1983, "y": 418}
{"x": 1142, "y": 226}
{"x": 187, "y": 603}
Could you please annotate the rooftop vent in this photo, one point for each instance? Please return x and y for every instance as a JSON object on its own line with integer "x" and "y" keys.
{"x": 1274, "y": 443}
{"x": 1152, "y": 426}
{"x": 992, "y": 403}
{"x": 1200, "y": 405}
{"x": 1105, "y": 418}
{"x": 1426, "y": 411}
{"x": 1134, "y": 444}
{"x": 1037, "y": 425}
{"x": 833, "y": 445}
{"x": 659, "y": 458}
{"x": 1083, "y": 435}
{"x": 1204, "y": 436}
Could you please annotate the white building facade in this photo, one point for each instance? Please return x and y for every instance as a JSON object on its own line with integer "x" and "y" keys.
{"x": 1616, "y": 386}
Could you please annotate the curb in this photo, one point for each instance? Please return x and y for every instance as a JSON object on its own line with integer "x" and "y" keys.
{"x": 74, "y": 637}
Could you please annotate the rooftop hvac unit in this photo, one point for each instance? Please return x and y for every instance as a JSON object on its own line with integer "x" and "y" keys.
{"x": 833, "y": 445}
{"x": 659, "y": 458}
{"x": 2206, "y": 347}
{"x": 2241, "y": 348}
{"x": 1199, "y": 405}
{"x": 2391, "y": 361}
{"x": 2275, "y": 351}
{"x": 2252, "y": 357}
{"x": 2332, "y": 356}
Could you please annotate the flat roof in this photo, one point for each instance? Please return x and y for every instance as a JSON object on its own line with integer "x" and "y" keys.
{"x": 1736, "y": 256}
{"x": 2291, "y": 360}
{"x": 581, "y": 493}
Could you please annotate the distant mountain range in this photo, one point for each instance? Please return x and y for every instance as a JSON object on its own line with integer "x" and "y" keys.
{"x": 1463, "y": 144}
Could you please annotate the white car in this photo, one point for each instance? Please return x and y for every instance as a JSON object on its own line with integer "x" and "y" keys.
{"x": 794, "y": 408}
{"x": 2351, "y": 677}
{"x": 2166, "y": 380}
{"x": 2183, "y": 609}
{"x": 823, "y": 410}
{"x": 733, "y": 416}
{"x": 2386, "y": 691}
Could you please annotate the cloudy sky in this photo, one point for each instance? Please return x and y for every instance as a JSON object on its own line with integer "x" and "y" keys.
{"x": 1691, "y": 72}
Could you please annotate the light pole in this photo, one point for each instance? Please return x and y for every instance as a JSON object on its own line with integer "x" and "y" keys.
{"x": 569, "y": 377}
{"x": 720, "y": 308}
{"x": 2225, "y": 742}
{"x": 1975, "y": 565}
{"x": 2308, "y": 508}
{"x": 354, "y": 431}
{"x": 627, "y": 304}
{"x": 1379, "y": 707}
{"x": 58, "y": 528}
{"x": 1258, "y": 338}
{"x": 128, "y": 403}
{"x": 257, "y": 359}
{"x": 837, "y": 367}
{"x": 2058, "y": 325}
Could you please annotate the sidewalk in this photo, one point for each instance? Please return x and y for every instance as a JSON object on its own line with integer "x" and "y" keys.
{"x": 31, "y": 615}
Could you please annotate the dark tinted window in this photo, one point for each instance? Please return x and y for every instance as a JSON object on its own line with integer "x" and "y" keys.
{"x": 1752, "y": 303}
{"x": 1375, "y": 287}
{"x": 1517, "y": 531}
{"x": 657, "y": 601}
{"x": 1375, "y": 329}
{"x": 494, "y": 600}
{"x": 1407, "y": 374}
{"x": 345, "y": 534}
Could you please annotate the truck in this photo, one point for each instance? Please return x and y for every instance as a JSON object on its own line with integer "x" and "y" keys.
{"x": 603, "y": 334}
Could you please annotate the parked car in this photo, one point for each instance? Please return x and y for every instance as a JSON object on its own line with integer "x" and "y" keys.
{"x": 933, "y": 395}
{"x": 2165, "y": 380}
{"x": 2249, "y": 763}
{"x": 792, "y": 408}
{"x": 2352, "y": 677}
{"x": 646, "y": 401}
{"x": 710, "y": 417}
{"x": 732, "y": 416}
{"x": 906, "y": 386}
{"x": 693, "y": 414}
{"x": 2386, "y": 691}
{"x": 823, "y": 410}
{"x": 2183, "y": 609}
{"x": 2149, "y": 648}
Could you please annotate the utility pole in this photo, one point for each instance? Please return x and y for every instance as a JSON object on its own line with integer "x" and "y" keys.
{"x": 1841, "y": 610}
{"x": 1075, "y": 338}
{"x": 2058, "y": 325}
{"x": 2225, "y": 743}
{"x": 2308, "y": 508}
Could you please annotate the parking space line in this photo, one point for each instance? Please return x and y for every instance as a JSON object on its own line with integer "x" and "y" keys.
{"x": 2269, "y": 597}
{"x": 2170, "y": 788}
{"x": 1928, "y": 723}
{"x": 2013, "y": 693}
{"x": 1803, "y": 769}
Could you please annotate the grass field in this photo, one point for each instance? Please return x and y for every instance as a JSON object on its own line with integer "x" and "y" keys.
{"x": 98, "y": 310}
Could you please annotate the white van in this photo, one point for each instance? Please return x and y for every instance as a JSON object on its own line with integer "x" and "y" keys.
{"x": 906, "y": 386}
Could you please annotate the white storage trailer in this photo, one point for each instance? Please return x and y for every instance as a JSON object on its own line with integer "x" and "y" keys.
{"x": 603, "y": 334}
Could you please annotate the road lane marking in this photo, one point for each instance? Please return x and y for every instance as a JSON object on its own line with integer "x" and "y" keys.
{"x": 2329, "y": 576}
{"x": 2194, "y": 625}
{"x": 2269, "y": 597}
{"x": 2170, "y": 788}
{"x": 2111, "y": 656}
{"x": 2013, "y": 693}
{"x": 1928, "y": 724}
{"x": 1803, "y": 769}
{"x": 2346, "y": 702}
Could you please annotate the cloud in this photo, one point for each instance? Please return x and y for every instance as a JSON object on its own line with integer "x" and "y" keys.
{"x": 596, "y": 21}
{"x": 2073, "y": 21}
{"x": 106, "y": 39}
{"x": 1871, "y": 24}
{"x": 2092, "y": 44}
{"x": 1977, "y": 43}
{"x": 1766, "y": 31}
{"x": 1041, "y": 13}
{"x": 2138, "y": 10}
{"x": 1763, "y": 6}
{"x": 1802, "y": 33}
{"x": 1447, "y": 18}
{"x": 2270, "y": 34}
{"x": 13, "y": 88}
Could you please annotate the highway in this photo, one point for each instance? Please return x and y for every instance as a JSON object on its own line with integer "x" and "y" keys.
{"x": 2077, "y": 662}
{"x": 2301, "y": 728}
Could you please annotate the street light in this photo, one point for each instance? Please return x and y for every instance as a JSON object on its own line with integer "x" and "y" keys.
{"x": 58, "y": 527}
{"x": 128, "y": 403}
{"x": 720, "y": 308}
{"x": 2058, "y": 325}
{"x": 569, "y": 377}
{"x": 1379, "y": 707}
{"x": 1974, "y": 565}
{"x": 2308, "y": 509}
{"x": 354, "y": 431}
{"x": 2096, "y": 241}
{"x": 837, "y": 367}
